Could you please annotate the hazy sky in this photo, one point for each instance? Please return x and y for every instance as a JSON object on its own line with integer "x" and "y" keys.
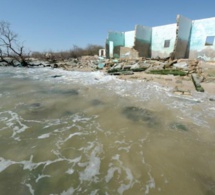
{"x": 59, "y": 24}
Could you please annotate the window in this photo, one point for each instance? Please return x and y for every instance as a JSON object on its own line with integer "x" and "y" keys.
{"x": 209, "y": 40}
{"x": 166, "y": 43}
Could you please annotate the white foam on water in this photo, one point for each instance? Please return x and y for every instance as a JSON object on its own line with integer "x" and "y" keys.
{"x": 111, "y": 172}
{"x": 142, "y": 90}
{"x": 150, "y": 184}
{"x": 127, "y": 149}
{"x": 78, "y": 118}
{"x": 4, "y": 164}
{"x": 44, "y": 136}
{"x": 41, "y": 176}
{"x": 70, "y": 191}
{"x": 31, "y": 190}
{"x": 53, "y": 122}
{"x": 94, "y": 192}
{"x": 92, "y": 166}
{"x": 70, "y": 171}
{"x": 13, "y": 122}
{"x": 62, "y": 141}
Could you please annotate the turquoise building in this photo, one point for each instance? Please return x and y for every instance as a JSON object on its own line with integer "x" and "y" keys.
{"x": 193, "y": 39}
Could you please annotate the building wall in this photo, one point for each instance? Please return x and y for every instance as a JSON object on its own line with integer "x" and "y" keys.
{"x": 159, "y": 35}
{"x": 129, "y": 39}
{"x": 184, "y": 26}
{"x": 200, "y": 30}
{"x": 128, "y": 53}
{"x": 143, "y": 37}
{"x": 185, "y": 39}
{"x": 115, "y": 41}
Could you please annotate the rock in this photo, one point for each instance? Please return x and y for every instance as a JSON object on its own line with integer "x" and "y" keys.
{"x": 117, "y": 66}
{"x": 96, "y": 102}
{"x": 181, "y": 65}
{"x": 167, "y": 65}
{"x": 101, "y": 65}
{"x": 135, "y": 66}
{"x": 144, "y": 65}
{"x": 187, "y": 93}
{"x": 140, "y": 115}
{"x": 35, "y": 105}
{"x": 178, "y": 92}
{"x": 55, "y": 76}
{"x": 127, "y": 67}
{"x": 178, "y": 126}
{"x": 212, "y": 99}
{"x": 196, "y": 82}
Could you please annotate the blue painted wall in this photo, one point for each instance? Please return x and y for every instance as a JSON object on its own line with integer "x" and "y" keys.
{"x": 200, "y": 30}
{"x": 159, "y": 35}
{"x": 187, "y": 39}
{"x": 115, "y": 41}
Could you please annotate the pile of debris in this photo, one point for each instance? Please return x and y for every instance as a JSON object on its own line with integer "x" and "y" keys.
{"x": 68, "y": 64}
{"x": 166, "y": 66}
{"x": 180, "y": 67}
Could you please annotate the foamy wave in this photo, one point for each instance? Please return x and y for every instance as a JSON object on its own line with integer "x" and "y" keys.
{"x": 14, "y": 122}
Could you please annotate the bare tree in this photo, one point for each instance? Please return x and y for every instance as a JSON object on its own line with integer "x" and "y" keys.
{"x": 11, "y": 50}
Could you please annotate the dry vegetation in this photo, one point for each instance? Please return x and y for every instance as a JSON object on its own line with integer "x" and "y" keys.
{"x": 75, "y": 52}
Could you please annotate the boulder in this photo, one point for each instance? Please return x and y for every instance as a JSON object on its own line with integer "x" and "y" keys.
{"x": 136, "y": 114}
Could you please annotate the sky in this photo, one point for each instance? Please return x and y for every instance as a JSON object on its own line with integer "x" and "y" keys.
{"x": 58, "y": 25}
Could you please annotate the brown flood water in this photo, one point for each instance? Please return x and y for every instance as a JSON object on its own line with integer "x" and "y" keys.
{"x": 87, "y": 133}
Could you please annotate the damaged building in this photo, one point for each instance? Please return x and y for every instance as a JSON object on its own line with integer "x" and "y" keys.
{"x": 193, "y": 39}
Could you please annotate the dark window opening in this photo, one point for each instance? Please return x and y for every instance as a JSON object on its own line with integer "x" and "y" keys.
{"x": 166, "y": 43}
{"x": 209, "y": 40}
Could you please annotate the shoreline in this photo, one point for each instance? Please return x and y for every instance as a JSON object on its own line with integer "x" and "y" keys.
{"x": 178, "y": 85}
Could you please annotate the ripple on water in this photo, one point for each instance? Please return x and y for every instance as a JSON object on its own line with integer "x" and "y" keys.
{"x": 86, "y": 156}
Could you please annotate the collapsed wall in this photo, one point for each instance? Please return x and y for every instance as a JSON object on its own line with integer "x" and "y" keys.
{"x": 142, "y": 42}
{"x": 184, "y": 39}
{"x": 181, "y": 48}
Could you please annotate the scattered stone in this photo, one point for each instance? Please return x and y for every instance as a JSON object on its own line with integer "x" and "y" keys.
{"x": 212, "y": 99}
{"x": 55, "y": 76}
{"x": 178, "y": 92}
{"x": 187, "y": 93}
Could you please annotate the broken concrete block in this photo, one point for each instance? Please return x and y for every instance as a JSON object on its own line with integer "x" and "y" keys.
{"x": 135, "y": 66}
{"x": 169, "y": 64}
{"x": 181, "y": 65}
{"x": 196, "y": 82}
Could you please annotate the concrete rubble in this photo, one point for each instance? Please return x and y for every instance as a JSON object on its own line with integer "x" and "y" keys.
{"x": 181, "y": 69}
{"x": 185, "y": 69}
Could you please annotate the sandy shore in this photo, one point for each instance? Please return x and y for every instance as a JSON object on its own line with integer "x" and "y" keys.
{"x": 179, "y": 85}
